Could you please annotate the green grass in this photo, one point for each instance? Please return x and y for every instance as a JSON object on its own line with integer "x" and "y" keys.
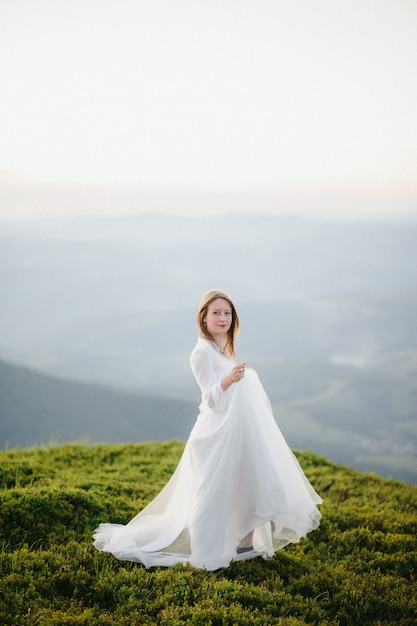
{"x": 357, "y": 569}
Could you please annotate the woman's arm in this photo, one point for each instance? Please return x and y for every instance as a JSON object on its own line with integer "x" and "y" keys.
{"x": 212, "y": 388}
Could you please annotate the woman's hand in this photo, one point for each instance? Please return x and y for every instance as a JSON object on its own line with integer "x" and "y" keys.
{"x": 235, "y": 375}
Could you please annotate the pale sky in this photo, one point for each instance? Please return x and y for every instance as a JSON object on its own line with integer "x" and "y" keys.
{"x": 307, "y": 101}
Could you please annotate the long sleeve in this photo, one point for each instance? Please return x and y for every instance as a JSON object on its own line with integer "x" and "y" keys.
{"x": 209, "y": 380}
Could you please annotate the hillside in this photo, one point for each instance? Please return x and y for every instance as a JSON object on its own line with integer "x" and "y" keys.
{"x": 35, "y": 409}
{"x": 357, "y": 569}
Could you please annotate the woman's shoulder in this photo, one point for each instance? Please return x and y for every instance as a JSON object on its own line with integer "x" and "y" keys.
{"x": 199, "y": 354}
{"x": 204, "y": 346}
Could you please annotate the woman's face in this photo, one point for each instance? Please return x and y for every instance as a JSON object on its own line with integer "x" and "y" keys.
{"x": 218, "y": 318}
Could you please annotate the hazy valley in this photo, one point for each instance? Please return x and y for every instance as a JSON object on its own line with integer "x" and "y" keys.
{"x": 327, "y": 314}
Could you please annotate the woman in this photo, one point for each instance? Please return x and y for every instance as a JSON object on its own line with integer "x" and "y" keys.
{"x": 238, "y": 491}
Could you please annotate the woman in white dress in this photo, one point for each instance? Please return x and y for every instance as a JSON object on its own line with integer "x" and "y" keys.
{"x": 238, "y": 491}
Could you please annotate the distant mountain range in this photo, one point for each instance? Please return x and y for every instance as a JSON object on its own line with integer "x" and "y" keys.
{"x": 37, "y": 409}
{"x": 328, "y": 319}
{"x": 345, "y": 414}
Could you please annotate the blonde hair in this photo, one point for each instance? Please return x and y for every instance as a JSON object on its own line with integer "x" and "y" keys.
{"x": 231, "y": 334}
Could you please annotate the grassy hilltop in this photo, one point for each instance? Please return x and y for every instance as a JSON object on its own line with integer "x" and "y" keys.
{"x": 357, "y": 569}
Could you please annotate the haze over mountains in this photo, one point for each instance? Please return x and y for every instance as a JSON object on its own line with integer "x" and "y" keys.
{"x": 327, "y": 312}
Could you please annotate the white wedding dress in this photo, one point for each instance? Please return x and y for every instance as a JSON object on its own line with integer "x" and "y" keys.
{"x": 236, "y": 475}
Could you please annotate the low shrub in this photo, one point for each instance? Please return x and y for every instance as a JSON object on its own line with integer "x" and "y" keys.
{"x": 357, "y": 569}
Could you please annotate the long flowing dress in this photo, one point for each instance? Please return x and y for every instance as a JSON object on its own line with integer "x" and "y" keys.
{"x": 236, "y": 475}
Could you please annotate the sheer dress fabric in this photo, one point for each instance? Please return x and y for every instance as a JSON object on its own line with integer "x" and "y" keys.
{"x": 236, "y": 474}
